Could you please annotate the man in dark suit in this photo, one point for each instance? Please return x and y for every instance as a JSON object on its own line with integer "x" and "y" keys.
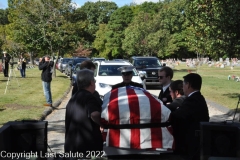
{"x": 165, "y": 75}
{"x": 127, "y": 73}
{"x": 186, "y": 119}
{"x": 5, "y": 62}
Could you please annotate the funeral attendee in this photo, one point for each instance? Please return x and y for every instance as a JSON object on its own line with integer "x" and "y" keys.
{"x": 5, "y": 61}
{"x": 46, "y": 65}
{"x": 22, "y": 66}
{"x": 165, "y": 75}
{"x": 127, "y": 74}
{"x": 186, "y": 119}
{"x": 87, "y": 64}
{"x": 176, "y": 92}
{"x": 82, "y": 120}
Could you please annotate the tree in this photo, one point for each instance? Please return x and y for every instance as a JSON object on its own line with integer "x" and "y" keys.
{"x": 3, "y": 22}
{"x": 216, "y": 24}
{"x": 119, "y": 21}
{"x": 45, "y": 26}
{"x": 97, "y": 13}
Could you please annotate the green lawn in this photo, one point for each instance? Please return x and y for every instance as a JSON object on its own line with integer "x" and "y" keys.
{"x": 24, "y": 97}
{"x": 25, "y": 101}
{"x": 216, "y": 86}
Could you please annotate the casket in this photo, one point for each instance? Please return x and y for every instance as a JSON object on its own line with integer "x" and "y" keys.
{"x": 136, "y": 119}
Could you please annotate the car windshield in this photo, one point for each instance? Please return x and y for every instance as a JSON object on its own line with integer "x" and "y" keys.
{"x": 78, "y": 60}
{"x": 112, "y": 70}
{"x": 147, "y": 63}
{"x": 99, "y": 59}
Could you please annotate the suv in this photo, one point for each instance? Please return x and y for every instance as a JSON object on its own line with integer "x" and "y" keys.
{"x": 148, "y": 68}
{"x": 107, "y": 74}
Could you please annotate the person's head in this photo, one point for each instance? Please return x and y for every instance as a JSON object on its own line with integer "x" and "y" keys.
{"x": 176, "y": 89}
{"x": 165, "y": 75}
{"x": 47, "y": 58}
{"x": 127, "y": 73}
{"x": 85, "y": 80}
{"x": 191, "y": 82}
{"x": 88, "y": 65}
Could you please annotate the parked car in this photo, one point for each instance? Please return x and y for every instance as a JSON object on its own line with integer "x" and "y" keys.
{"x": 74, "y": 62}
{"x": 107, "y": 74}
{"x": 98, "y": 59}
{"x": 68, "y": 68}
{"x": 64, "y": 63}
{"x": 148, "y": 68}
{"x": 36, "y": 61}
{"x": 58, "y": 64}
{"x": 74, "y": 73}
{"x": 121, "y": 60}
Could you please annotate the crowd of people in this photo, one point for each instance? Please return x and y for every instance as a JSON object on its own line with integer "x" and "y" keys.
{"x": 183, "y": 97}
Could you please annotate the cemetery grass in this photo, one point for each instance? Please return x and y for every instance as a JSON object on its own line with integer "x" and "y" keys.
{"x": 24, "y": 97}
{"x": 215, "y": 84}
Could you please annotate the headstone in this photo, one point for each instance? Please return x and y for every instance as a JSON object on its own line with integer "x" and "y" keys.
{"x": 220, "y": 59}
{"x": 222, "y": 66}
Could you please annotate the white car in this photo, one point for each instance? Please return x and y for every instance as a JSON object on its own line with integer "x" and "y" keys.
{"x": 107, "y": 75}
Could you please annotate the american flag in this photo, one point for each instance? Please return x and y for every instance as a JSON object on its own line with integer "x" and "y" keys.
{"x": 135, "y": 107}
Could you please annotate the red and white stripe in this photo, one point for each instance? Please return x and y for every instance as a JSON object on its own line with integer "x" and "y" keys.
{"x": 132, "y": 105}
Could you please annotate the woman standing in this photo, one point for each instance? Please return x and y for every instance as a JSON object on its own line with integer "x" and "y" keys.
{"x": 22, "y": 66}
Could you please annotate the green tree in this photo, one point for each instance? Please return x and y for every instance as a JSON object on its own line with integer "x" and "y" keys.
{"x": 119, "y": 21}
{"x": 97, "y": 13}
{"x": 216, "y": 24}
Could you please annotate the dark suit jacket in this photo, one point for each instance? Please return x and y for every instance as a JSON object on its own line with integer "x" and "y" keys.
{"x": 186, "y": 121}
{"x": 167, "y": 95}
{"x": 122, "y": 84}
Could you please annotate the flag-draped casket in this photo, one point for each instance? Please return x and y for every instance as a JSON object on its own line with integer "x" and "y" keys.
{"x": 136, "y": 119}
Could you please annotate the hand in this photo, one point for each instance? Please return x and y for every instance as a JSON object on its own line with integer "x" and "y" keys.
{"x": 101, "y": 129}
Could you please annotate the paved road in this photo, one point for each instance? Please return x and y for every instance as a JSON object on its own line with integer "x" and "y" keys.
{"x": 56, "y": 123}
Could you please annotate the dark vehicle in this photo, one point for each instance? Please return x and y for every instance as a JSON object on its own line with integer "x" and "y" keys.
{"x": 63, "y": 64}
{"x": 74, "y": 62}
{"x": 98, "y": 59}
{"x": 148, "y": 68}
{"x": 74, "y": 74}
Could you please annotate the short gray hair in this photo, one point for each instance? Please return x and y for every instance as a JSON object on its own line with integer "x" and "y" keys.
{"x": 84, "y": 78}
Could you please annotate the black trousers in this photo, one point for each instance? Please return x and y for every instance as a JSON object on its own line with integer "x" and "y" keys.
{"x": 6, "y": 66}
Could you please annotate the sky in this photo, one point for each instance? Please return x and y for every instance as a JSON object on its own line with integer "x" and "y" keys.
{"x": 120, "y": 3}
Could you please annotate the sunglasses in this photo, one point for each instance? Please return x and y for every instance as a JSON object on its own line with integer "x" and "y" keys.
{"x": 126, "y": 73}
{"x": 160, "y": 77}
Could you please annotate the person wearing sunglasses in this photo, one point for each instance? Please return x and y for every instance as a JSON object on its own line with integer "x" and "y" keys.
{"x": 165, "y": 75}
{"x": 127, "y": 74}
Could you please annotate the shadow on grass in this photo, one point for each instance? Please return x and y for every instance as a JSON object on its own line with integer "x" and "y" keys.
{"x": 2, "y": 109}
{"x": 232, "y": 95}
{"x": 62, "y": 76}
